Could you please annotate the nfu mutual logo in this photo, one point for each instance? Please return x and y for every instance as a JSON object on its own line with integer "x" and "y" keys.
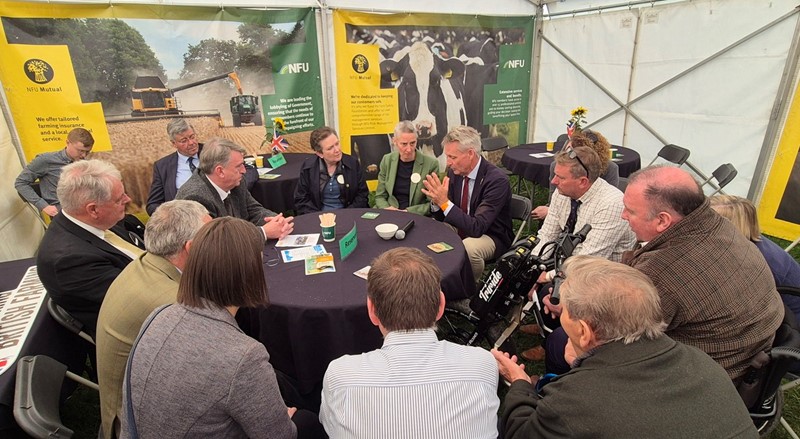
{"x": 297, "y": 67}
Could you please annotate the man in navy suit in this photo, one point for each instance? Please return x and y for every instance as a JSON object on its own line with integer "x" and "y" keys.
{"x": 474, "y": 198}
{"x": 172, "y": 171}
{"x": 83, "y": 251}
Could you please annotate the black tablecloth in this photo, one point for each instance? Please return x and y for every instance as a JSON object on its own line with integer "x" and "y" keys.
{"x": 278, "y": 194}
{"x": 519, "y": 161}
{"x": 46, "y": 337}
{"x": 315, "y": 319}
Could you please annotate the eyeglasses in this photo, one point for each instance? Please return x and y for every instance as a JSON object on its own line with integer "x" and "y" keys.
{"x": 186, "y": 140}
{"x": 574, "y": 155}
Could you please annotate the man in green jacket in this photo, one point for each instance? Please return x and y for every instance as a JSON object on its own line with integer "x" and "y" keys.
{"x": 402, "y": 173}
{"x": 628, "y": 379}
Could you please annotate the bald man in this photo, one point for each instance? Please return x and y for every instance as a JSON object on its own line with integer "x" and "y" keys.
{"x": 717, "y": 292}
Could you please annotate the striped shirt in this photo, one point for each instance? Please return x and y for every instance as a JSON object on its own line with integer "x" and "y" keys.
{"x": 413, "y": 387}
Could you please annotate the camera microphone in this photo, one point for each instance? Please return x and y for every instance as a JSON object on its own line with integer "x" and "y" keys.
{"x": 583, "y": 232}
{"x": 403, "y": 231}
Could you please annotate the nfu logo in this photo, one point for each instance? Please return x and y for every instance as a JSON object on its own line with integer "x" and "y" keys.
{"x": 298, "y": 67}
{"x": 38, "y": 71}
{"x": 514, "y": 64}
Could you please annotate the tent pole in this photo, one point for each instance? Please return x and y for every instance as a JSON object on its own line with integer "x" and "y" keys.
{"x": 777, "y": 116}
{"x": 536, "y": 57}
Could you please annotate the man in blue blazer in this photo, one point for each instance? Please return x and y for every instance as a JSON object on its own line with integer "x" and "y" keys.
{"x": 172, "y": 171}
{"x": 474, "y": 198}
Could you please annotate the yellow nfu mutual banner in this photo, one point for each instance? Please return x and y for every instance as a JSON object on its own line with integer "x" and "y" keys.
{"x": 45, "y": 102}
{"x": 779, "y": 209}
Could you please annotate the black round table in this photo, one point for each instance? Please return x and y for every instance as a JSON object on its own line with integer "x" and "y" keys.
{"x": 519, "y": 161}
{"x": 314, "y": 319}
{"x": 278, "y": 194}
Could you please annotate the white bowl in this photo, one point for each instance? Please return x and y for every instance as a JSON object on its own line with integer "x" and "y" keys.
{"x": 386, "y": 230}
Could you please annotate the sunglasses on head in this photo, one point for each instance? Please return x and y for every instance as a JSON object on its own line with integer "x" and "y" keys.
{"x": 574, "y": 155}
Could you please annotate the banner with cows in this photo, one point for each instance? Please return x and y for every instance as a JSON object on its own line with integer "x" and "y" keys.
{"x": 124, "y": 71}
{"x": 437, "y": 71}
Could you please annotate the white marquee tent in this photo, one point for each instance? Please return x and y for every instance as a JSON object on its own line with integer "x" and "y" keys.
{"x": 713, "y": 76}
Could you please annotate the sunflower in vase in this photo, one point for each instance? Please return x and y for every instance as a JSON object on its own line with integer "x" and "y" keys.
{"x": 576, "y": 121}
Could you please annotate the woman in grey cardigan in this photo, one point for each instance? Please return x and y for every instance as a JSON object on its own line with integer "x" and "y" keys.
{"x": 193, "y": 371}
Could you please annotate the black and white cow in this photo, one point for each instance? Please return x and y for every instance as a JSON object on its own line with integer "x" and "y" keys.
{"x": 436, "y": 90}
{"x": 480, "y": 56}
{"x": 430, "y": 93}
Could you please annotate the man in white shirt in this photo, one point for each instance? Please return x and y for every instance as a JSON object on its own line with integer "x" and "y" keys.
{"x": 415, "y": 386}
{"x": 581, "y": 198}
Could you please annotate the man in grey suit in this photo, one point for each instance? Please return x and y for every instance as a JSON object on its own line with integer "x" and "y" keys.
{"x": 217, "y": 186}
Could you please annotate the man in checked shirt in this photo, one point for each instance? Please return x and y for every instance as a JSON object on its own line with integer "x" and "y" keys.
{"x": 581, "y": 198}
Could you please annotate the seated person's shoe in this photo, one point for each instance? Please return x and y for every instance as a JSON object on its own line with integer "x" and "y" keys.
{"x": 535, "y": 353}
{"x": 532, "y": 329}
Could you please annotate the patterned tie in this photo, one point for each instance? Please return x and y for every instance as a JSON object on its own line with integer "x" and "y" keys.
{"x": 464, "y": 203}
{"x": 122, "y": 245}
{"x": 465, "y": 196}
{"x": 573, "y": 216}
{"x": 192, "y": 167}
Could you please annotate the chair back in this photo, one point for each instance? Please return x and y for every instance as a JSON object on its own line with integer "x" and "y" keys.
{"x": 561, "y": 141}
{"x": 64, "y": 319}
{"x": 623, "y": 184}
{"x": 493, "y": 148}
{"x": 673, "y": 154}
{"x": 520, "y": 210}
{"x": 765, "y": 407}
{"x": 37, "y": 397}
{"x": 493, "y": 144}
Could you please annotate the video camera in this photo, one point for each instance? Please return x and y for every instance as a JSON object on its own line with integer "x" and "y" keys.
{"x": 515, "y": 273}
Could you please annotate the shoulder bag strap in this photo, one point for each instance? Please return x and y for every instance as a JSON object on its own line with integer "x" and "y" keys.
{"x": 133, "y": 433}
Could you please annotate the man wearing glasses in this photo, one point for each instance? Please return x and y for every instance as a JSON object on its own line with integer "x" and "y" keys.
{"x": 628, "y": 378}
{"x": 172, "y": 171}
{"x": 581, "y": 198}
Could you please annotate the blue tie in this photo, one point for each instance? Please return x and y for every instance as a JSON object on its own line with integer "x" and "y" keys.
{"x": 573, "y": 216}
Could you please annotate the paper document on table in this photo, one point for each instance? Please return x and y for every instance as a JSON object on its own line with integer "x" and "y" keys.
{"x": 262, "y": 171}
{"x": 541, "y": 155}
{"x": 362, "y": 273}
{"x": 298, "y": 240}
{"x": 320, "y": 264}
{"x": 301, "y": 253}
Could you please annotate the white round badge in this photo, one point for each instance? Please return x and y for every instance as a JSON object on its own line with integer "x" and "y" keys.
{"x": 340, "y": 179}
{"x": 415, "y": 178}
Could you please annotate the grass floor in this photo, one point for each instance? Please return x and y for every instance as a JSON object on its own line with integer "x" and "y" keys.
{"x": 81, "y": 411}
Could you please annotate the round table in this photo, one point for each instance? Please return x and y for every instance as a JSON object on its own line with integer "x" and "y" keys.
{"x": 314, "y": 319}
{"x": 519, "y": 161}
{"x": 45, "y": 337}
{"x": 278, "y": 194}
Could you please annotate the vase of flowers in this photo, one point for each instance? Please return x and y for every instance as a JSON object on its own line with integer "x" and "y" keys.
{"x": 575, "y": 122}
